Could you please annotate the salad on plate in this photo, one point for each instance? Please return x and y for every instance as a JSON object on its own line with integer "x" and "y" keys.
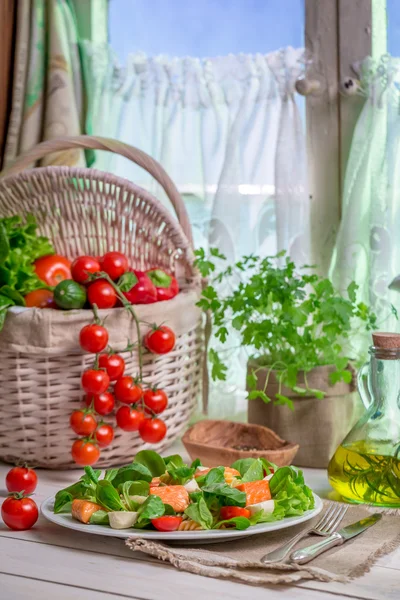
{"x": 166, "y": 494}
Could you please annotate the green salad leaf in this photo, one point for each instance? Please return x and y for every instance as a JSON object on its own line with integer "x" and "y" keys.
{"x": 63, "y": 502}
{"x": 132, "y": 472}
{"x": 239, "y": 523}
{"x": 180, "y": 475}
{"x": 227, "y": 495}
{"x": 108, "y": 497}
{"x": 152, "y": 461}
{"x": 152, "y": 508}
{"x": 20, "y": 246}
{"x": 200, "y": 513}
{"x": 100, "y": 517}
{"x": 139, "y": 488}
{"x": 291, "y": 495}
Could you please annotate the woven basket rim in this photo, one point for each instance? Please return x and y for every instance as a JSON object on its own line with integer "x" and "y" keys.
{"x": 110, "y": 179}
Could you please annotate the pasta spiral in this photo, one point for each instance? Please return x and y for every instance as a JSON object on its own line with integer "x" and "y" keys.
{"x": 189, "y": 525}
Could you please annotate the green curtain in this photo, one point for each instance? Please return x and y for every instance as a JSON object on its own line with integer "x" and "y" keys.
{"x": 49, "y": 96}
{"x": 368, "y": 243}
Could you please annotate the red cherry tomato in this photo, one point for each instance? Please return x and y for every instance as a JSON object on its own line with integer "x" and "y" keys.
{"x": 167, "y": 523}
{"x": 114, "y": 364}
{"x": 114, "y": 264}
{"x": 93, "y": 338}
{"x": 94, "y": 381}
{"x": 129, "y": 419}
{"x": 230, "y": 512}
{"x": 40, "y": 299}
{"x": 155, "y": 400}
{"x": 52, "y": 269}
{"x": 21, "y": 479}
{"x": 82, "y": 423}
{"x": 82, "y": 267}
{"x": 102, "y": 294}
{"x": 84, "y": 453}
{"x": 143, "y": 291}
{"x": 160, "y": 340}
{"x": 103, "y": 404}
{"x": 152, "y": 431}
{"x": 104, "y": 435}
{"x": 166, "y": 285}
{"x": 19, "y": 513}
{"x": 127, "y": 391}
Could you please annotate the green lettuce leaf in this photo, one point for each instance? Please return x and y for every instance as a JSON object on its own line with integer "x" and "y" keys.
{"x": 152, "y": 461}
{"x": 100, "y": 517}
{"x": 226, "y": 495}
{"x": 200, "y": 513}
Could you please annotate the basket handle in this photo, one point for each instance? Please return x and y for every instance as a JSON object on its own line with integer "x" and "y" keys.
{"x": 101, "y": 143}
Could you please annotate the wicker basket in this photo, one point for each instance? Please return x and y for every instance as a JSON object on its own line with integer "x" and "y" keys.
{"x": 84, "y": 211}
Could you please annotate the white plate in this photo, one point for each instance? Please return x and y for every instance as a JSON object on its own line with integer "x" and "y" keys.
{"x": 206, "y": 536}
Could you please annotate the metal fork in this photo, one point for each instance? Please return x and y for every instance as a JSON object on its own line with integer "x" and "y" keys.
{"x": 325, "y": 526}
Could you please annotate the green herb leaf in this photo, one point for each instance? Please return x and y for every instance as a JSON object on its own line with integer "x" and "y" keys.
{"x": 218, "y": 369}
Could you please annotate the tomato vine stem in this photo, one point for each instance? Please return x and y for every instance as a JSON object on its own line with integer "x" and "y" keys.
{"x": 128, "y": 306}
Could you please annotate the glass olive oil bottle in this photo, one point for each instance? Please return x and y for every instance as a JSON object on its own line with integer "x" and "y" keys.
{"x": 366, "y": 466}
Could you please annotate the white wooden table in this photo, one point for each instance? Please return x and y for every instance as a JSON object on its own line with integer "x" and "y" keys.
{"x": 52, "y": 562}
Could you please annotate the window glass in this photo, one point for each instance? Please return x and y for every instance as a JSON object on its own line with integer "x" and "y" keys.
{"x": 205, "y": 28}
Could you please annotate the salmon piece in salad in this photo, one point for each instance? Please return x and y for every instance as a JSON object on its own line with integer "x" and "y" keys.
{"x": 175, "y": 495}
{"x": 256, "y": 491}
{"x": 82, "y": 510}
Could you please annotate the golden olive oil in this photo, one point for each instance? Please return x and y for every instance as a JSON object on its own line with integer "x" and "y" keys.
{"x": 360, "y": 475}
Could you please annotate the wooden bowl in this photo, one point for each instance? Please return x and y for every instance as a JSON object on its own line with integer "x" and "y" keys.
{"x": 218, "y": 443}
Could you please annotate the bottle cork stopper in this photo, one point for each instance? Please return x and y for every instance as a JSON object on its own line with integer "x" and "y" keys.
{"x": 390, "y": 341}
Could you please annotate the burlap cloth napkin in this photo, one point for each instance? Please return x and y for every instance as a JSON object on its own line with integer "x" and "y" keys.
{"x": 239, "y": 560}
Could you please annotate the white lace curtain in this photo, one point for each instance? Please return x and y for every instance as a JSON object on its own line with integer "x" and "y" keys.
{"x": 229, "y": 132}
{"x": 367, "y": 246}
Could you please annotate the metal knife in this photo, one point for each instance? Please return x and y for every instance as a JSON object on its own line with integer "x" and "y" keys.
{"x": 336, "y": 539}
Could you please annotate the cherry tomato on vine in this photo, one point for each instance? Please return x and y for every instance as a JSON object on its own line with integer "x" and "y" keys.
{"x": 82, "y": 423}
{"x": 85, "y": 453}
{"x": 104, "y": 435}
{"x": 230, "y": 512}
{"x": 155, "y": 400}
{"x": 95, "y": 381}
{"x": 19, "y": 512}
{"x": 52, "y": 269}
{"x": 167, "y": 523}
{"x": 152, "y": 431}
{"x": 103, "y": 403}
{"x": 40, "y": 299}
{"x": 83, "y": 266}
{"x": 160, "y": 340}
{"x": 93, "y": 338}
{"x": 114, "y": 264}
{"x": 114, "y": 364}
{"x": 102, "y": 294}
{"x": 129, "y": 419}
{"x": 127, "y": 391}
{"x": 21, "y": 479}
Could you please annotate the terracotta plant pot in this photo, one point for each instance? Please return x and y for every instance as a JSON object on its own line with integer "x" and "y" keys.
{"x": 218, "y": 443}
{"x": 318, "y": 426}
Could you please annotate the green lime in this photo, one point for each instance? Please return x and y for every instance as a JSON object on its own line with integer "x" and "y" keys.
{"x": 68, "y": 294}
